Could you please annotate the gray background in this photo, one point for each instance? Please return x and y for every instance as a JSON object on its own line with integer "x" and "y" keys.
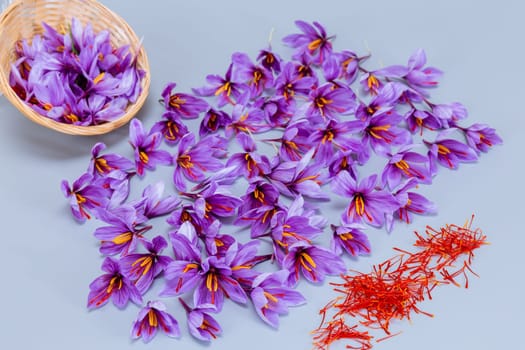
{"x": 47, "y": 260}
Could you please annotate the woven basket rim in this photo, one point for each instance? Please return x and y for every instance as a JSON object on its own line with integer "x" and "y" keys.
{"x": 27, "y": 111}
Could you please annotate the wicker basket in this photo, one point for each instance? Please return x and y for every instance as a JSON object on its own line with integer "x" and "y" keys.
{"x": 22, "y": 19}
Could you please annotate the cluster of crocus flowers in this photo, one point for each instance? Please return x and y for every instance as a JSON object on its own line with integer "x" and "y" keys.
{"x": 394, "y": 288}
{"x": 75, "y": 76}
{"x": 275, "y": 138}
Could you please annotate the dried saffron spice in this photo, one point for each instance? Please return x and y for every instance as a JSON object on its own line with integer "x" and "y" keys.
{"x": 395, "y": 287}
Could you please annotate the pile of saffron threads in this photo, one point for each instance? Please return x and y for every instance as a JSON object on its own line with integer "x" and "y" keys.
{"x": 395, "y": 287}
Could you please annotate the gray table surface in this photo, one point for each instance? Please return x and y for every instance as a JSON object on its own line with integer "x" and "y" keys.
{"x": 48, "y": 260}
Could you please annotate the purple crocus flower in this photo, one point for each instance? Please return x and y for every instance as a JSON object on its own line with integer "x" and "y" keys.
{"x": 289, "y": 83}
{"x": 271, "y": 298}
{"x": 335, "y": 136}
{"x": 216, "y": 282}
{"x": 124, "y": 232}
{"x": 342, "y": 161}
{"x": 248, "y": 163}
{"x": 185, "y": 213}
{"x": 293, "y": 225}
{"x": 449, "y": 114}
{"x": 112, "y": 285}
{"x": 383, "y": 132}
{"x": 293, "y": 178}
{"x": 313, "y": 41}
{"x": 171, "y": 127}
{"x": 257, "y": 78}
{"x": 448, "y": 152}
{"x": 183, "y": 105}
{"x": 200, "y": 323}
{"x": 216, "y": 202}
{"x": 384, "y": 102}
{"x": 329, "y": 103}
{"x": 270, "y": 60}
{"x": 259, "y": 219}
{"x": 151, "y": 318}
{"x": 419, "y": 76}
{"x": 246, "y": 120}
{"x": 193, "y": 159}
{"x": 85, "y": 195}
{"x": 146, "y": 148}
{"x": 414, "y": 203}
{"x": 152, "y": 204}
{"x": 277, "y": 110}
{"x": 351, "y": 239}
{"x": 142, "y": 268}
{"x": 101, "y": 165}
{"x": 366, "y": 202}
{"x": 418, "y": 120}
{"x": 312, "y": 262}
{"x": 294, "y": 141}
{"x": 258, "y": 194}
{"x": 213, "y": 121}
{"x": 224, "y": 88}
{"x": 481, "y": 137}
{"x": 406, "y": 164}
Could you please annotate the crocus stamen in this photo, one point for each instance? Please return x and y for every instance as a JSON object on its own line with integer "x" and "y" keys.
{"x": 98, "y": 78}
{"x": 101, "y": 165}
{"x": 251, "y": 164}
{"x": 224, "y": 88}
{"x": 257, "y": 76}
{"x": 212, "y": 122}
{"x": 259, "y": 195}
{"x": 122, "y": 238}
{"x": 288, "y": 91}
{"x": 271, "y": 297}
{"x": 152, "y": 318}
{"x": 347, "y": 236}
{"x": 171, "y": 130}
{"x": 328, "y": 136}
{"x": 80, "y": 198}
{"x": 359, "y": 204}
{"x": 144, "y": 158}
{"x": 372, "y": 82}
{"x": 485, "y": 140}
{"x": 185, "y": 161}
{"x": 71, "y": 117}
{"x": 315, "y": 44}
{"x": 306, "y": 260}
{"x": 443, "y": 150}
{"x": 212, "y": 282}
{"x": 176, "y": 101}
{"x": 190, "y": 266}
{"x": 47, "y": 106}
{"x": 321, "y": 102}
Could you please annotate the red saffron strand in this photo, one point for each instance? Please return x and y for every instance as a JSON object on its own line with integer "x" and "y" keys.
{"x": 395, "y": 287}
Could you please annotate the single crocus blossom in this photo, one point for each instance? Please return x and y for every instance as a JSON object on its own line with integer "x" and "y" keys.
{"x": 257, "y": 78}
{"x": 152, "y": 318}
{"x": 289, "y": 83}
{"x": 152, "y": 204}
{"x": 313, "y": 41}
{"x": 142, "y": 268}
{"x": 349, "y": 238}
{"x": 85, "y": 195}
{"x": 313, "y": 262}
{"x": 258, "y": 194}
{"x": 248, "y": 163}
{"x": 406, "y": 164}
{"x": 224, "y": 88}
{"x": 270, "y": 60}
{"x": 200, "y": 322}
{"x": 367, "y": 204}
{"x": 146, "y": 148}
{"x": 170, "y": 127}
{"x": 193, "y": 159}
{"x": 102, "y": 165}
{"x": 271, "y": 298}
{"x": 481, "y": 137}
{"x": 125, "y": 230}
{"x": 112, "y": 285}
{"x": 419, "y": 120}
{"x": 411, "y": 203}
{"x": 448, "y": 152}
{"x": 328, "y": 103}
{"x": 183, "y": 105}
{"x": 213, "y": 121}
